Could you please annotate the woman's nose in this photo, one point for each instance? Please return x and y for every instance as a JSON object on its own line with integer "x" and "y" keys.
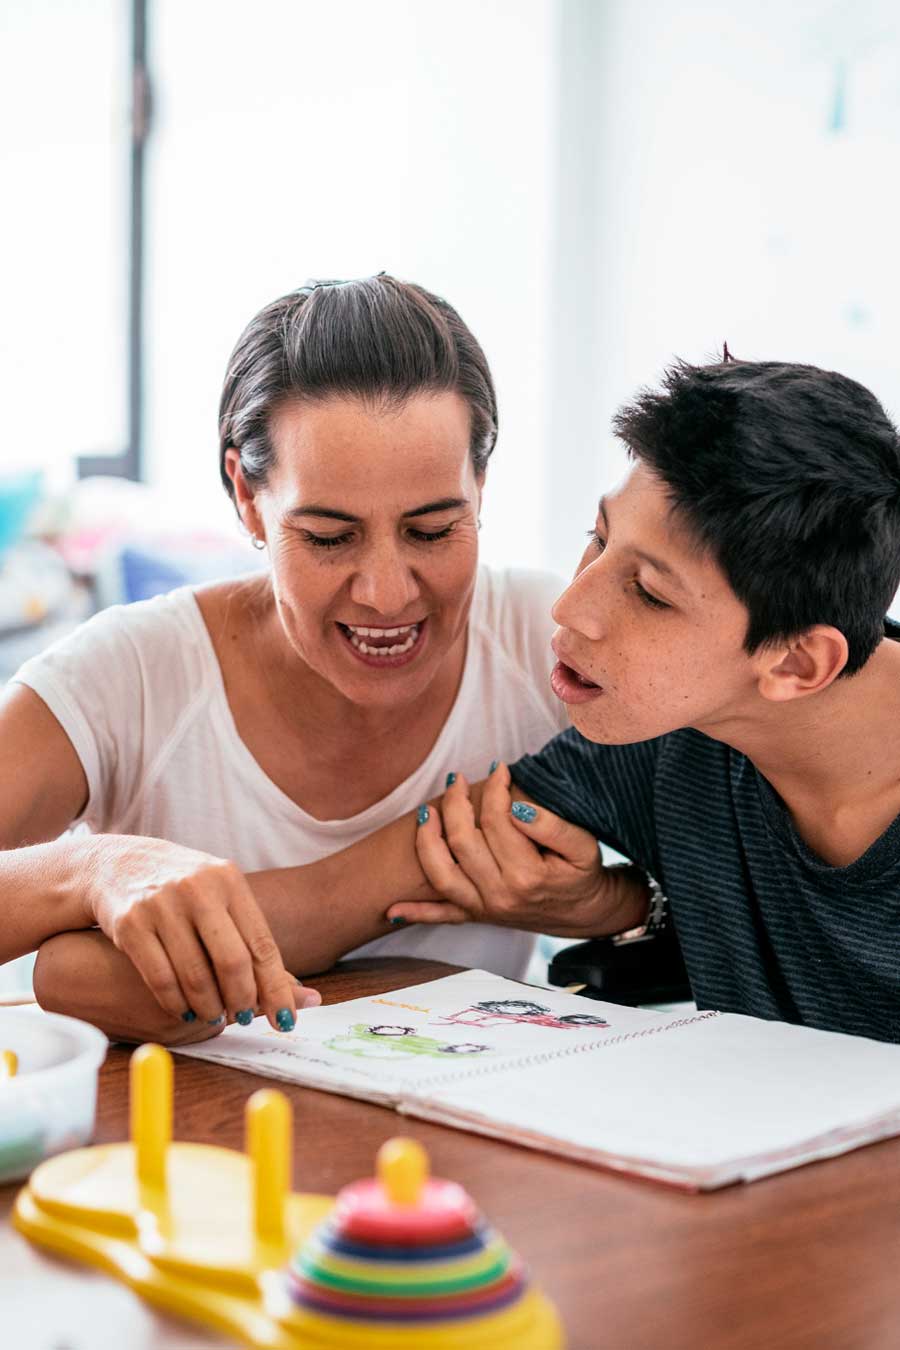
{"x": 386, "y": 584}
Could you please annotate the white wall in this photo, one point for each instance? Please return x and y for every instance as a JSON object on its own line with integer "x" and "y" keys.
{"x": 745, "y": 162}
{"x": 299, "y": 140}
{"x": 596, "y": 184}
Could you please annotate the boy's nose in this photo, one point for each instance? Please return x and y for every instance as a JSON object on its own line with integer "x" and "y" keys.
{"x": 582, "y": 607}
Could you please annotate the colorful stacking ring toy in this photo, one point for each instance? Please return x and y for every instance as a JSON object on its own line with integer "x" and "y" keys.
{"x": 412, "y": 1256}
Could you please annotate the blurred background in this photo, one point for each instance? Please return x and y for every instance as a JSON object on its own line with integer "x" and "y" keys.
{"x": 597, "y": 185}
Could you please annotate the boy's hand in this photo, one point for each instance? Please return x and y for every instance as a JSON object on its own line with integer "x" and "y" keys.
{"x": 519, "y": 866}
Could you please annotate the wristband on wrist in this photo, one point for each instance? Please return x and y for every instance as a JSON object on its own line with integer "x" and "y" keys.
{"x": 657, "y": 915}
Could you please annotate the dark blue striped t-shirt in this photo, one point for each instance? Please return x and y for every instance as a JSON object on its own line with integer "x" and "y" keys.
{"x": 766, "y": 927}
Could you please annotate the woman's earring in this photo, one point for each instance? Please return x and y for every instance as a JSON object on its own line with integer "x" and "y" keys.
{"x": 257, "y": 542}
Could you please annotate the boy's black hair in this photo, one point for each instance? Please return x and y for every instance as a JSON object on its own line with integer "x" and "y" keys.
{"x": 790, "y": 477}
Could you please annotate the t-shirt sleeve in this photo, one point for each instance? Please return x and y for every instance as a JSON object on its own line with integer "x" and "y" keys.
{"x": 92, "y": 683}
{"x": 607, "y": 789}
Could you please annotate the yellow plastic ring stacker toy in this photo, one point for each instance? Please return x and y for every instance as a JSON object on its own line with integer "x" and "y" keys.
{"x": 209, "y": 1234}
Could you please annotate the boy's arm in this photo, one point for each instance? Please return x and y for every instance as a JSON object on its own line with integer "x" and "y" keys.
{"x": 503, "y": 859}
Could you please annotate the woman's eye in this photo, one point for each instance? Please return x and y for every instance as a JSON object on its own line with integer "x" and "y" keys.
{"x": 649, "y": 599}
{"x": 429, "y": 536}
{"x": 325, "y": 540}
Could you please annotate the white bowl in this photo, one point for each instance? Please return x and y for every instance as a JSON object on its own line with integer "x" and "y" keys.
{"x": 49, "y": 1105}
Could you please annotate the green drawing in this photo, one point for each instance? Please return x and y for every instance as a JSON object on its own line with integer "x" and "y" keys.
{"x": 383, "y": 1042}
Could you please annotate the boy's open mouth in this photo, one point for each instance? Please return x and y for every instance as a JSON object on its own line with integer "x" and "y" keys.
{"x": 572, "y": 687}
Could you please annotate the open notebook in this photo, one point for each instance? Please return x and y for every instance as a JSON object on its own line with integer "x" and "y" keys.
{"x": 699, "y": 1100}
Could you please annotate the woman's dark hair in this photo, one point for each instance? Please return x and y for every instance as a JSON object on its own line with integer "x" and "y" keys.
{"x": 789, "y": 477}
{"x": 376, "y": 339}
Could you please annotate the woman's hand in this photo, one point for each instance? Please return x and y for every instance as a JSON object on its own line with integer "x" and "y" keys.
{"x": 191, "y": 926}
{"x": 520, "y": 866}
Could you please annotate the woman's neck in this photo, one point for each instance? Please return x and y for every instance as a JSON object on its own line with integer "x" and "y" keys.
{"x": 333, "y": 757}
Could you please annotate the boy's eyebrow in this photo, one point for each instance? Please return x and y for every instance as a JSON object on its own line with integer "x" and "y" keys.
{"x": 330, "y": 512}
{"x": 661, "y": 566}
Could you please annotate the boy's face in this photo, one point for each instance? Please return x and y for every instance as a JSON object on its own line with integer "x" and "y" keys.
{"x": 650, "y": 632}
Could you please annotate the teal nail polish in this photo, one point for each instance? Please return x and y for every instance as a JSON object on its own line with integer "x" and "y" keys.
{"x": 216, "y": 1021}
{"x": 189, "y": 1016}
{"x": 397, "y": 923}
{"x": 422, "y": 814}
{"x": 522, "y": 811}
{"x": 285, "y": 1019}
{"x": 494, "y": 763}
{"x": 245, "y": 1016}
{"x": 451, "y": 779}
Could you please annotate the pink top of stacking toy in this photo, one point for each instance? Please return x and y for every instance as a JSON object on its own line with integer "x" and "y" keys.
{"x": 443, "y": 1213}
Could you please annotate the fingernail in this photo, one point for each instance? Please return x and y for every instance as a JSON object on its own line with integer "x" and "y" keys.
{"x": 522, "y": 811}
{"x": 285, "y": 1019}
{"x": 245, "y": 1016}
{"x": 494, "y": 763}
{"x": 422, "y": 814}
{"x": 216, "y": 1021}
{"x": 398, "y": 923}
{"x": 451, "y": 779}
{"x": 189, "y": 1016}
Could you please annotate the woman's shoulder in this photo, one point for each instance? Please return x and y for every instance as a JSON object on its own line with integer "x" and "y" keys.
{"x": 128, "y": 642}
{"x": 512, "y": 606}
{"x": 515, "y": 595}
{"x": 513, "y": 625}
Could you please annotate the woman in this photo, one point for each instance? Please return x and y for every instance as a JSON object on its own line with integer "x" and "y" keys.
{"x": 216, "y": 739}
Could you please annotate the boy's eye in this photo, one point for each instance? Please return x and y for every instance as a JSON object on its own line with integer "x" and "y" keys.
{"x": 598, "y": 539}
{"x": 653, "y": 601}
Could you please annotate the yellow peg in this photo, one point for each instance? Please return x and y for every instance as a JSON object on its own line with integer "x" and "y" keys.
{"x": 9, "y": 1064}
{"x": 151, "y": 1113}
{"x": 269, "y": 1127}
{"x": 402, "y": 1167}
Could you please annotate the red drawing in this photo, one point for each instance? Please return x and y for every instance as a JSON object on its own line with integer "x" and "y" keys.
{"x": 490, "y": 1013}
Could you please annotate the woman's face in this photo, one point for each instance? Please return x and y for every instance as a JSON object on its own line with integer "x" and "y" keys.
{"x": 370, "y": 515}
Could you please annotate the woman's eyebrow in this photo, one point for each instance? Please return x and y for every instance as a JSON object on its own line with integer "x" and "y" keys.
{"x": 443, "y": 504}
{"x": 331, "y": 513}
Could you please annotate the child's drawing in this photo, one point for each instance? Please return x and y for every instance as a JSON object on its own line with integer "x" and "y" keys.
{"x": 383, "y": 1042}
{"x": 490, "y": 1013}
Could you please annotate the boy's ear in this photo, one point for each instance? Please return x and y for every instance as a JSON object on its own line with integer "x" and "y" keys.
{"x": 243, "y": 496}
{"x": 803, "y": 666}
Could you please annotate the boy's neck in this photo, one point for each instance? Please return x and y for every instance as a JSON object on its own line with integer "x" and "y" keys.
{"x": 834, "y": 758}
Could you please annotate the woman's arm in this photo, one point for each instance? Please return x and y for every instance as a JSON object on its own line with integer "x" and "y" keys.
{"x": 315, "y": 914}
{"x": 189, "y": 922}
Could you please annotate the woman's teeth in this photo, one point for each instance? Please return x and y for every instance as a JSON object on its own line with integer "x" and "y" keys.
{"x": 380, "y": 643}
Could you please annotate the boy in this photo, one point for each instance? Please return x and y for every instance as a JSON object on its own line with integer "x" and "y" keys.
{"x": 734, "y": 689}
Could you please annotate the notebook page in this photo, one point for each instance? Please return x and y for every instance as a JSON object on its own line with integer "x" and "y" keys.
{"x": 390, "y": 1046}
{"x": 719, "y": 1098}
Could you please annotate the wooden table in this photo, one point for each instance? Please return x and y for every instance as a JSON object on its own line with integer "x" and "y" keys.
{"x": 808, "y": 1259}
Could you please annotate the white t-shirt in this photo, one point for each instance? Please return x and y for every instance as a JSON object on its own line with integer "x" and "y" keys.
{"x": 139, "y": 692}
